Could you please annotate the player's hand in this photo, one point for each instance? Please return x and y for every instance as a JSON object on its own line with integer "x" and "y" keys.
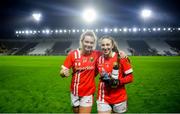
{"x": 123, "y": 54}
{"x": 64, "y": 72}
{"x": 114, "y": 83}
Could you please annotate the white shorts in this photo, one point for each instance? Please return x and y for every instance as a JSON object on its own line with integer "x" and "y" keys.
{"x": 118, "y": 108}
{"x": 85, "y": 101}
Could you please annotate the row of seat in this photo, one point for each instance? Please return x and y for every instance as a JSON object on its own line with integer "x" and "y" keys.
{"x": 131, "y": 47}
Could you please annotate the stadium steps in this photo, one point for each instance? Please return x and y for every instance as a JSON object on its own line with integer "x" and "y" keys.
{"x": 140, "y": 47}
{"x": 123, "y": 45}
{"x": 74, "y": 45}
{"x": 174, "y": 44}
{"x": 28, "y": 46}
{"x": 161, "y": 46}
{"x": 13, "y": 46}
{"x": 41, "y": 48}
{"x": 60, "y": 47}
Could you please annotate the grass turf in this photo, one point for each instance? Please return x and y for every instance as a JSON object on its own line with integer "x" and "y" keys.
{"x": 33, "y": 84}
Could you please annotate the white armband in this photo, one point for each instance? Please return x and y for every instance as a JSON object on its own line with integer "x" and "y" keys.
{"x": 129, "y": 71}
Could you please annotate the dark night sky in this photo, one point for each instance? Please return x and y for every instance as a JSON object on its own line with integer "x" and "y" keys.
{"x": 15, "y": 14}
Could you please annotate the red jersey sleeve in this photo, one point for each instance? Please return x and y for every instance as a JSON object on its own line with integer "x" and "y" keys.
{"x": 126, "y": 70}
{"x": 68, "y": 61}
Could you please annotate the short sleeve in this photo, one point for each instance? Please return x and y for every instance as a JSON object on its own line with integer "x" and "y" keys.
{"x": 127, "y": 69}
{"x": 68, "y": 61}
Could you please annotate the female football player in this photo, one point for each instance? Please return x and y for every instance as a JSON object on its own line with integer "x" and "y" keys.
{"x": 115, "y": 72}
{"x": 83, "y": 63}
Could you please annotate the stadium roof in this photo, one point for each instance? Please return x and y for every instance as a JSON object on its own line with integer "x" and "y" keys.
{"x": 16, "y": 14}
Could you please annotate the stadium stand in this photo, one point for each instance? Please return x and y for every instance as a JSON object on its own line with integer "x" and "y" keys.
{"x": 161, "y": 43}
{"x": 26, "y": 49}
{"x": 161, "y": 46}
{"x": 11, "y": 47}
{"x": 41, "y": 48}
{"x": 74, "y": 44}
{"x": 60, "y": 48}
{"x": 174, "y": 44}
{"x": 123, "y": 45}
{"x": 140, "y": 47}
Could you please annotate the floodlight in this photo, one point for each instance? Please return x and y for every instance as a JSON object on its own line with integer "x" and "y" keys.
{"x": 115, "y": 29}
{"x": 30, "y": 31}
{"x": 146, "y": 13}
{"x": 144, "y": 29}
{"x": 89, "y": 15}
{"x": 124, "y": 29}
{"x": 37, "y": 16}
{"x": 34, "y": 32}
{"x": 56, "y": 31}
{"x": 43, "y": 31}
{"x": 105, "y": 30}
{"x": 47, "y": 31}
{"x": 73, "y": 30}
{"x": 60, "y": 31}
{"x": 65, "y": 30}
{"x": 134, "y": 29}
{"x": 154, "y": 29}
{"x": 27, "y": 32}
{"x": 96, "y": 30}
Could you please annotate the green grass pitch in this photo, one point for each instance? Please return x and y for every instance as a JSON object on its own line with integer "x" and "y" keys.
{"x": 33, "y": 84}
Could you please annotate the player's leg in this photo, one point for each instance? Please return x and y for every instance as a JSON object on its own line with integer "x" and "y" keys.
{"x": 104, "y": 112}
{"x": 85, "y": 109}
{"x": 120, "y": 107}
{"x": 86, "y": 103}
{"x": 75, "y": 103}
{"x": 103, "y": 108}
{"x": 76, "y": 109}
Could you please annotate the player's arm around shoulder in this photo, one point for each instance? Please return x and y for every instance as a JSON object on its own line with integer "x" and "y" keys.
{"x": 123, "y": 54}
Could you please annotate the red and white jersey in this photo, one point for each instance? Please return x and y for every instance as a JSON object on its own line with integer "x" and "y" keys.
{"x": 84, "y": 72}
{"x": 114, "y": 95}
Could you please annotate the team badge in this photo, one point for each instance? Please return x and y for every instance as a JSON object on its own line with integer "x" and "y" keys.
{"x": 91, "y": 59}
